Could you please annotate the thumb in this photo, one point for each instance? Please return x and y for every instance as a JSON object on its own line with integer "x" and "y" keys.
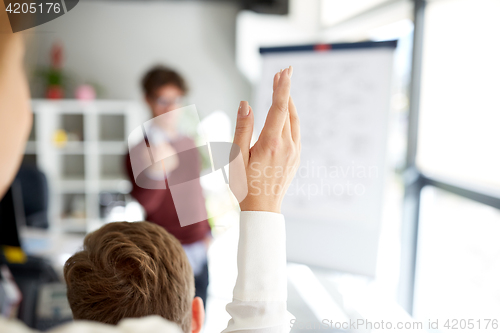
{"x": 244, "y": 129}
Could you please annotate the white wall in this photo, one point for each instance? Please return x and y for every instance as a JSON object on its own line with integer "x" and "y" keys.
{"x": 304, "y": 26}
{"x": 114, "y": 43}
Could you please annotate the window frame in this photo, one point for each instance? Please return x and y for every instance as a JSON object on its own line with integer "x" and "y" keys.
{"x": 415, "y": 179}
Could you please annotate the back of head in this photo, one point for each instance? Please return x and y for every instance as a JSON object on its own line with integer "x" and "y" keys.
{"x": 130, "y": 270}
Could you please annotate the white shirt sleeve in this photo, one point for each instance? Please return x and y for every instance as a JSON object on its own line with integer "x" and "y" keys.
{"x": 260, "y": 294}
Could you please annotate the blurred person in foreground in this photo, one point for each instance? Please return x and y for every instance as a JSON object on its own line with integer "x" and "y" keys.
{"x": 164, "y": 90}
{"x": 15, "y": 108}
{"x": 131, "y": 270}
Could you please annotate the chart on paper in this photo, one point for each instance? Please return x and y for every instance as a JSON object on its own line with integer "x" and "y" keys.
{"x": 342, "y": 94}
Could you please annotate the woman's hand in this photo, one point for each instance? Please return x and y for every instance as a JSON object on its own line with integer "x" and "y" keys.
{"x": 272, "y": 162}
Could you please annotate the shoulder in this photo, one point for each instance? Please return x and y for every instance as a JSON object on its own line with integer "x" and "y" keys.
{"x": 149, "y": 324}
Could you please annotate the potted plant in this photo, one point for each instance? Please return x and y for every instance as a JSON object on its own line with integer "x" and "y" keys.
{"x": 53, "y": 76}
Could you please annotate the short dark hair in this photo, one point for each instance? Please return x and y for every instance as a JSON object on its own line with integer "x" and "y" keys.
{"x": 160, "y": 76}
{"x": 128, "y": 270}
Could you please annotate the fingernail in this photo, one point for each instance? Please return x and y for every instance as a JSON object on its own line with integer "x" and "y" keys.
{"x": 290, "y": 71}
{"x": 243, "y": 109}
{"x": 285, "y": 71}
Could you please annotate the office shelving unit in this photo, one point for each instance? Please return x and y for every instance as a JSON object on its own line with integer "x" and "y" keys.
{"x": 80, "y": 146}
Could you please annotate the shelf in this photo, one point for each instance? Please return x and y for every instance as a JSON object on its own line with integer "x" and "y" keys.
{"x": 73, "y": 167}
{"x": 103, "y": 147}
{"x": 72, "y": 186}
{"x": 112, "y": 167}
{"x": 88, "y": 159}
{"x": 73, "y": 125}
{"x": 115, "y": 185}
{"x": 74, "y": 206}
{"x": 69, "y": 106}
{"x": 72, "y": 148}
{"x": 78, "y": 106}
{"x": 112, "y": 148}
{"x": 120, "y": 185}
{"x": 112, "y": 127}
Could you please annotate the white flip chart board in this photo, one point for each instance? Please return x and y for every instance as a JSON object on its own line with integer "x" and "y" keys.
{"x": 342, "y": 93}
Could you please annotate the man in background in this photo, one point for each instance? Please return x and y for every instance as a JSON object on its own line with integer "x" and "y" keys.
{"x": 164, "y": 90}
{"x": 259, "y": 302}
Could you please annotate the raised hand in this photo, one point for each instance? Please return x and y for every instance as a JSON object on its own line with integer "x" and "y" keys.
{"x": 272, "y": 162}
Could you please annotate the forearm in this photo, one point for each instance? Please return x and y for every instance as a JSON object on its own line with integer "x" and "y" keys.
{"x": 259, "y": 299}
{"x": 260, "y": 293}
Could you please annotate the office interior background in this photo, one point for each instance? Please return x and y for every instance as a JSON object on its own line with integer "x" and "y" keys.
{"x": 437, "y": 249}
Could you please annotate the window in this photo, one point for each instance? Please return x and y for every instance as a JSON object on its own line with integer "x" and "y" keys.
{"x": 458, "y": 263}
{"x": 457, "y": 266}
{"x": 459, "y": 132}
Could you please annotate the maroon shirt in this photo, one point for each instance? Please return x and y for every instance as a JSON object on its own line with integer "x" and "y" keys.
{"x": 159, "y": 204}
